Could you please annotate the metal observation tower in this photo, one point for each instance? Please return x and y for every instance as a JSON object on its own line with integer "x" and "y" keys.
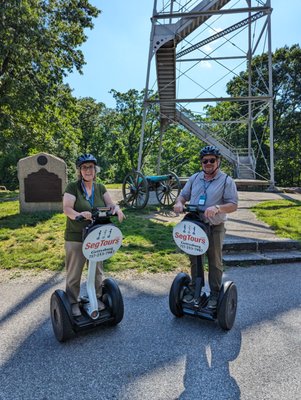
{"x": 196, "y": 48}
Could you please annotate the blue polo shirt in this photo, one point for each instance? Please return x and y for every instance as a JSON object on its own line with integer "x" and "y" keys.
{"x": 219, "y": 190}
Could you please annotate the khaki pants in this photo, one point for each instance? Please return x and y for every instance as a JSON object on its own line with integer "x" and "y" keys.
{"x": 74, "y": 262}
{"x": 214, "y": 255}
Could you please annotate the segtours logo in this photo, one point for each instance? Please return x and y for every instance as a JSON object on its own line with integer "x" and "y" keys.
{"x": 102, "y": 243}
{"x": 190, "y": 238}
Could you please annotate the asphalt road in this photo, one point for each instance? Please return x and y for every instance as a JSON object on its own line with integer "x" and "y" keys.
{"x": 151, "y": 354}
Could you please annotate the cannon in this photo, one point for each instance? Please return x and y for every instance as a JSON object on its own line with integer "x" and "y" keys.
{"x": 136, "y": 189}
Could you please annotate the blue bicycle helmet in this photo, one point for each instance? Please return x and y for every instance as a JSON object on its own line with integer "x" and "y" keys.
{"x": 85, "y": 158}
{"x": 210, "y": 151}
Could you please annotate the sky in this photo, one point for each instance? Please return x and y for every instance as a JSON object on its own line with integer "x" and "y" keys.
{"x": 116, "y": 51}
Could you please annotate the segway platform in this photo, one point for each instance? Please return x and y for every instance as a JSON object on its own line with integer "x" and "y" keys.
{"x": 191, "y": 236}
{"x": 102, "y": 240}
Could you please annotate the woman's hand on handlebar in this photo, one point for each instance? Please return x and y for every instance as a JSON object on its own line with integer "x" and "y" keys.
{"x": 116, "y": 210}
{"x": 86, "y": 215}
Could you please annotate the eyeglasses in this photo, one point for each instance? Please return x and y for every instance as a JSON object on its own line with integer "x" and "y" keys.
{"x": 86, "y": 167}
{"x": 210, "y": 160}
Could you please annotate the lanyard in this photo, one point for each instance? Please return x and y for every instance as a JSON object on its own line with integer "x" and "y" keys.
{"x": 206, "y": 185}
{"x": 203, "y": 196}
{"x": 91, "y": 198}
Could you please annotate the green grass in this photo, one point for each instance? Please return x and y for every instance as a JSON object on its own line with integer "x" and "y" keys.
{"x": 113, "y": 185}
{"x": 36, "y": 241}
{"x": 30, "y": 240}
{"x": 8, "y": 195}
{"x": 283, "y": 216}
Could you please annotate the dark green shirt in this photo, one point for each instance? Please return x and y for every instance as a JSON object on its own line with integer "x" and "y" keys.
{"x": 73, "y": 231}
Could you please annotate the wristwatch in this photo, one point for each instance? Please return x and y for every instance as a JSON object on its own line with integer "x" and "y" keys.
{"x": 218, "y": 208}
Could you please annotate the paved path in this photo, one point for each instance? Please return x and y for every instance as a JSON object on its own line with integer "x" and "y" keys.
{"x": 151, "y": 355}
{"x": 244, "y": 224}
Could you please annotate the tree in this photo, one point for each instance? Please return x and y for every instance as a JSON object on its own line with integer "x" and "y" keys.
{"x": 286, "y": 63}
{"x": 40, "y": 43}
{"x": 123, "y": 135}
{"x": 126, "y": 133}
{"x": 95, "y": 122}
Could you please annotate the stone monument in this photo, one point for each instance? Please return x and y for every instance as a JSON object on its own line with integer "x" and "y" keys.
{"x": 42, "y": 180}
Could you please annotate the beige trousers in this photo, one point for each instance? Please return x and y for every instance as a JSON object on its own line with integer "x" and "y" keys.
{"x": 75, "y": 262}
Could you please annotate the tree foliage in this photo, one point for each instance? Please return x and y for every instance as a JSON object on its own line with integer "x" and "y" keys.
{"x": 39, "y": 45}
{"x": 286, "y": 63}
{"x": 114, "y": 136}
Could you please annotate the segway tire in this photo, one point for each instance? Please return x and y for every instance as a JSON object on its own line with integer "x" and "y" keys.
{"x": 60, "y": 318}
{"x": 227, "y": 306}
{"x": 176, "y": 293}
{"x": 112, "y": 298}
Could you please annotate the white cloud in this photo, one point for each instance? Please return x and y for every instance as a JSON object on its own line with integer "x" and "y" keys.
{"x": 216, "y": 30}
{"x": 207, "y": 48}
{"x": 205, "y": 64}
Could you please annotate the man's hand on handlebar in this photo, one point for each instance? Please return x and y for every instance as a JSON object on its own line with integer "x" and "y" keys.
{"x": 178, "y": 207}
{"x": 211, "y": 211}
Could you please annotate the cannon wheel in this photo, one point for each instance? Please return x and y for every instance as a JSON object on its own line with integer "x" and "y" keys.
{"x": 168, "y": 190}
{"x": 135, "y": 190}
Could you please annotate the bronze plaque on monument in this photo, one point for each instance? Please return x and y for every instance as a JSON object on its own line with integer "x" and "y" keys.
{"x": 43, "y": 186}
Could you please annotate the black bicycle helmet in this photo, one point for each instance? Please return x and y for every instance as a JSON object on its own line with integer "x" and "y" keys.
{"x": 210, "y": 151}
{"x": 85, "y": 158}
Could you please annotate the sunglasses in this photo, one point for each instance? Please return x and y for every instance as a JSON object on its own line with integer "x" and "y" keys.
{"x": 86, "y": 167}
{"x": 210, "y": 160}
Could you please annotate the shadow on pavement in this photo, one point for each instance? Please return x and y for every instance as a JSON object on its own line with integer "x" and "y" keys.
{"x": 150, "y": 354}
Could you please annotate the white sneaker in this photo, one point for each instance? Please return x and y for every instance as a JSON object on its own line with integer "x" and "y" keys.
{"x": 212, "y": 302}
{"x": 101, "y": 305}
{"x": 188, "y": 295}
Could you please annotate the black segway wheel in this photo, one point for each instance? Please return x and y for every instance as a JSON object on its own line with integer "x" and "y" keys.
{"x": 60, "y": 317}
{"x": 113, "y": 299}
{"x": 226, "y": 310}
{"x": 176, "y": 293}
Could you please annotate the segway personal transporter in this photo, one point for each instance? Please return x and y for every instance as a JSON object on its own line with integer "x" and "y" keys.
{"x": 191, "y": 236}
{"x": 101, "y": 241}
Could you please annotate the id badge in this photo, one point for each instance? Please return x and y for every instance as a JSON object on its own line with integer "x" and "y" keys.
{"x": 202, "y": 199}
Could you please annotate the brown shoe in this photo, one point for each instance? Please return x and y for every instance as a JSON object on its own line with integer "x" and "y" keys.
{"x": 75, "y": 310}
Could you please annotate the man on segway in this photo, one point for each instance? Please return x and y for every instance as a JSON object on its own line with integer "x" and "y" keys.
{"x": 215, "y": 194}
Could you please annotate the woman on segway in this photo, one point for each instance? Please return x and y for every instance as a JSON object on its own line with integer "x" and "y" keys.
{"x": 80, "y": 198}
{"x": 216, "y": 195}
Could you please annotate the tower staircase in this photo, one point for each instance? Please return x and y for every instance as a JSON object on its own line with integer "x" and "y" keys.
{"x": 164, "y": 41}
{"x": 242, "y": 159}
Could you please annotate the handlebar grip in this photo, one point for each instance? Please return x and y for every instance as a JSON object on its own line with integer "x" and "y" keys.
{"x": 193, "y": 208}
{"x": 79, "y": 218}
{"x": 102, "y": 212}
